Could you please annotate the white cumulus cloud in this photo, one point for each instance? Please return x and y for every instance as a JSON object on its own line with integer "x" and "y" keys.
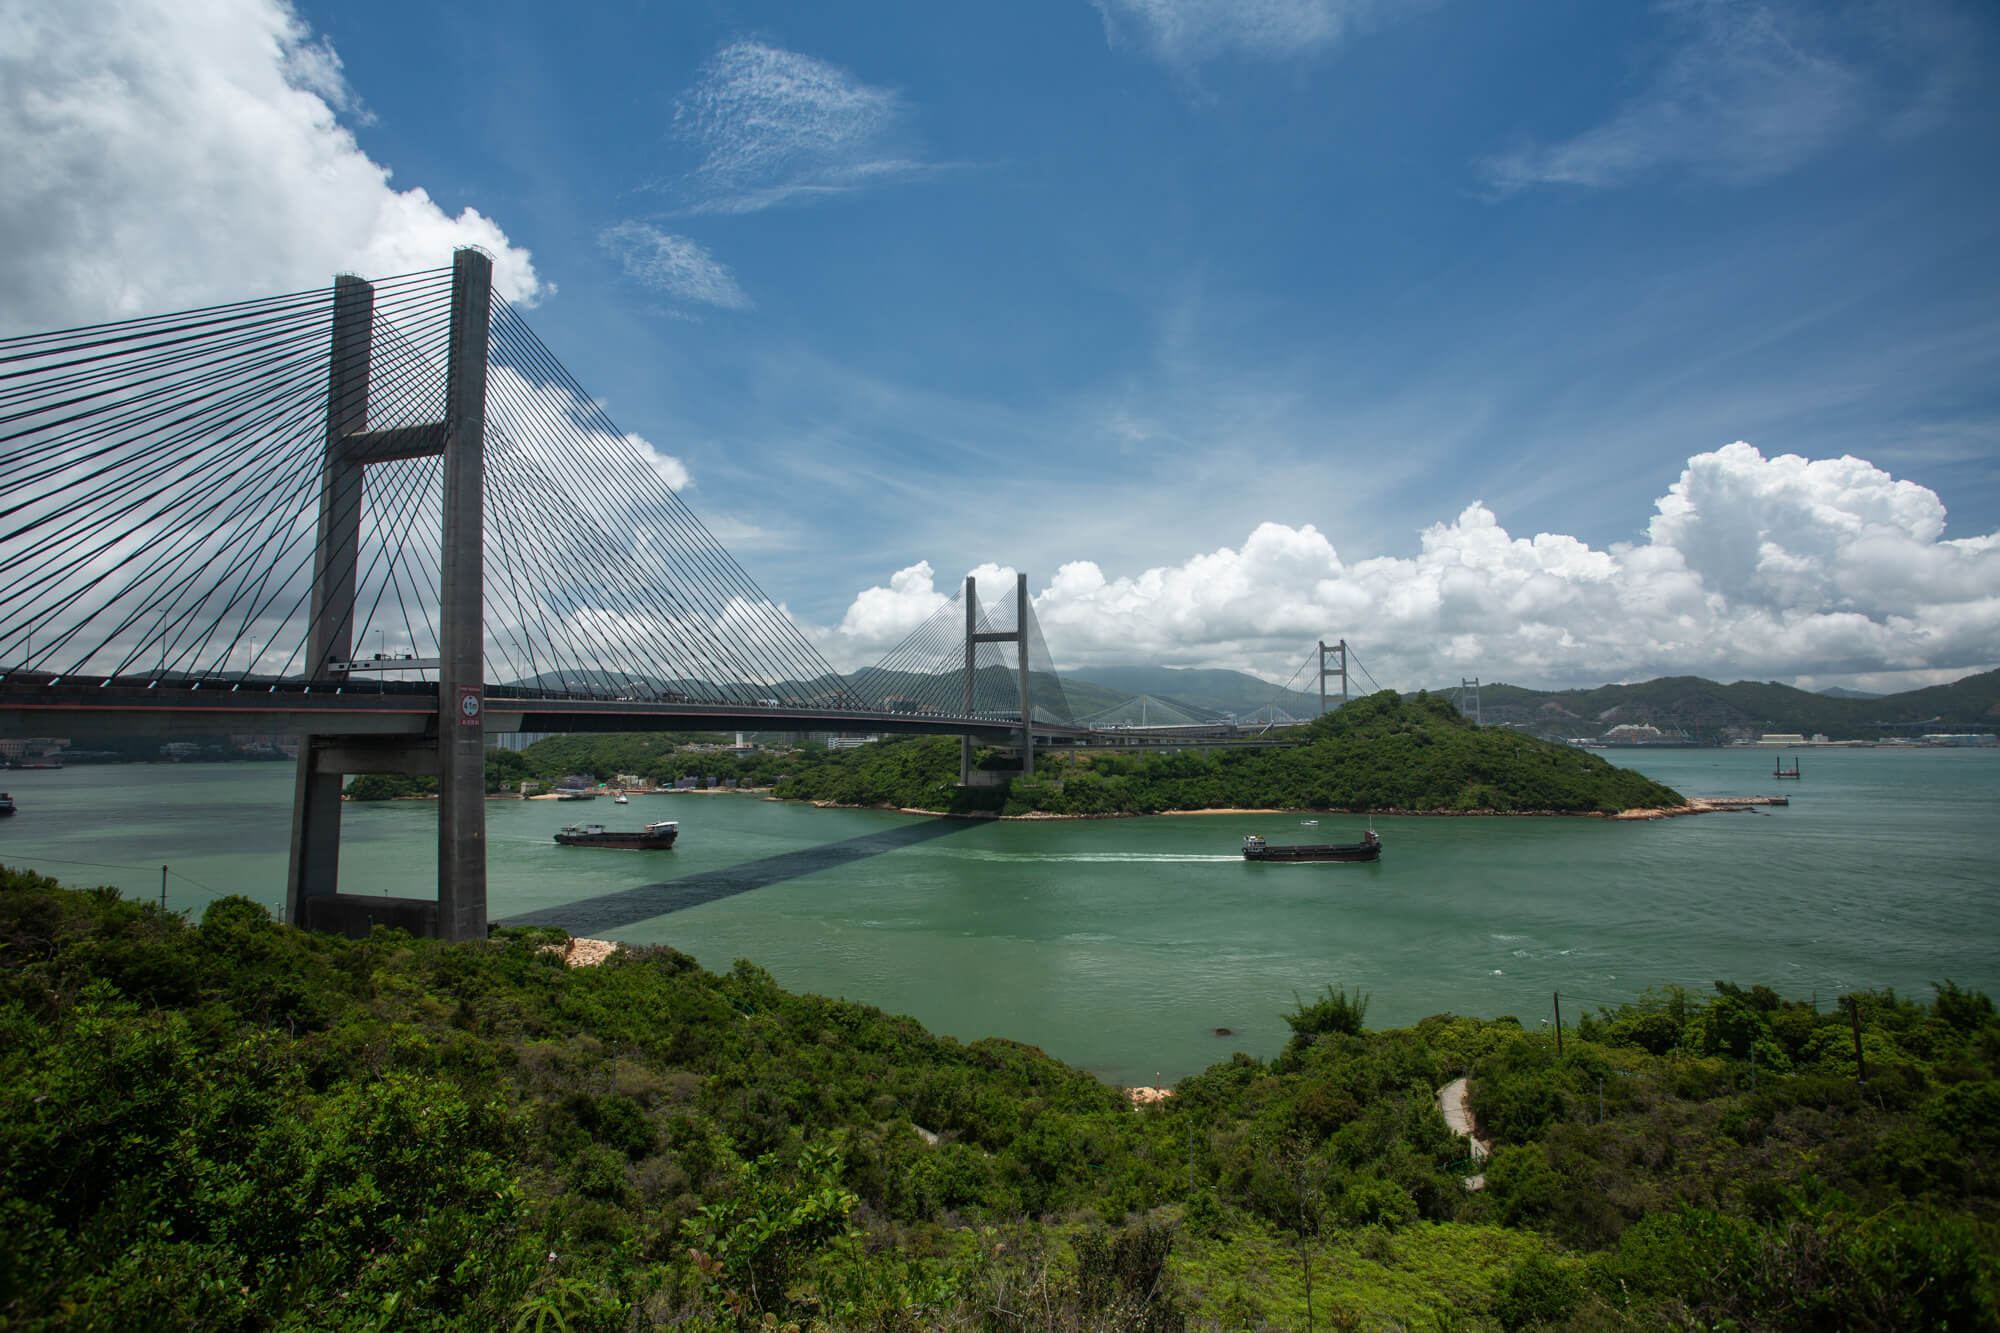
{"x": 160, "y": 154}
{"x": 681, "y": 268}
{"x": 572, "y": 436}
{"x": 1766, "y": 567}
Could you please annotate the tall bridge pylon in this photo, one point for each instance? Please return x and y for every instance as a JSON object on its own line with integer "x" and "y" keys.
{"x": 1339, "y": 653}
{"x": 455, "y": 752}
{"x": 1018, "y": 636}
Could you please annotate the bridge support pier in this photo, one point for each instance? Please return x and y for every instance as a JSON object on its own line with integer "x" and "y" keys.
{"x": 455, "y": 750}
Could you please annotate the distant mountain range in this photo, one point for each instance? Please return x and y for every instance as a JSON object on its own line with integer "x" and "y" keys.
{"x": 1705, "y": 710}
{"x": 1202, "y": 695}
{"x": 1202, "y": 690}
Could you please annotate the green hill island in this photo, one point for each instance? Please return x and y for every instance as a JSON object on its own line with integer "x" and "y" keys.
{"x": 1382, "y": 754}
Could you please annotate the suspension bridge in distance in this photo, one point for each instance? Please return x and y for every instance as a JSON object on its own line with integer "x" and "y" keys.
{"x": 209, "y": 515}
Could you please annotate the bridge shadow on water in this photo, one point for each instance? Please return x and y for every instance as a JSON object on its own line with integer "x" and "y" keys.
{"x": 630, "y": 906}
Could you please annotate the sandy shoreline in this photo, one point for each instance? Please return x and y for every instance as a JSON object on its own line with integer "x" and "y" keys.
{"x": 1695, "y": 806}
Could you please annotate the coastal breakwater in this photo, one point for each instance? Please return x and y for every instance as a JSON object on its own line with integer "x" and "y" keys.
{"x": 1704, "y": 805}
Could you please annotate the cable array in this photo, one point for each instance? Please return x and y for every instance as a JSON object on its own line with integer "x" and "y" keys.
{"x": 161, "y": 485}
{"x": 600, "y": 581}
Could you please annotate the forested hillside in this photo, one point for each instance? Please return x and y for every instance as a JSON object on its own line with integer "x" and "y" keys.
{"x": 1381, "y": 753}
{"x": 1707, "y": 710}
{"x": 237, "y": 1125}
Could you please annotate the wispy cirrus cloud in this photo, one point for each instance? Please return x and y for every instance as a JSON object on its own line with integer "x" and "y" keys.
{"x": 778, "y": 127}
{"x": 1184, "y": 33}
{"x": 1747, "y": 92}
{"x": 682, "y": 269}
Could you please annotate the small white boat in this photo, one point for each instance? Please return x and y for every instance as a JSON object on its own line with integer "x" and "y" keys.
{"x": 619, "y": 799}
{"x": 1309, "y": 823}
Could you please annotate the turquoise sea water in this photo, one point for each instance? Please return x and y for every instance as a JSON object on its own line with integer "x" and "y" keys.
{"x": 1122, "y": 945}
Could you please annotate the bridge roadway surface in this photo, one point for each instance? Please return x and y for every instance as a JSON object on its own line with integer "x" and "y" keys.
{"x": 37, "y": 704}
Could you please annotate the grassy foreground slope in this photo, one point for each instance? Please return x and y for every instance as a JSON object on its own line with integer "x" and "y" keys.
{"x": 1383, "y": 753}
{"x": 236, "y": 1125}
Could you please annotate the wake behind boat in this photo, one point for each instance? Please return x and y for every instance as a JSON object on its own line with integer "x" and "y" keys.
{"x": 1368, "y": 849}
{"x": 655, "y": 837}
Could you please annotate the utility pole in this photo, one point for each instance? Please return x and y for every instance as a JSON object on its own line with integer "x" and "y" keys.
{"x": 1559, "y": 1023}
{"x": 1860, "y": 1060}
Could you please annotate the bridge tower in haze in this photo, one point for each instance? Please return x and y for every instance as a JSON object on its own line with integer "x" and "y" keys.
{"x": 1339, "y": 653}
{"x": 454, "y": 751}
{"x": 1018, "y": 636}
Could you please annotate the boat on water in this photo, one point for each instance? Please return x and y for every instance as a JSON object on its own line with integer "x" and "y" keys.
{"x": 1368, "y": 849}
{"x": 655, "y": 837}
{"x": 619, "y": 799}
{"x": 1782, "y": 772}
{"x": 6, "y": 804}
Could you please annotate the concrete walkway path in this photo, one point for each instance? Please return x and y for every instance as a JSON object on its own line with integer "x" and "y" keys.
{"x": 1458, "y": 1115}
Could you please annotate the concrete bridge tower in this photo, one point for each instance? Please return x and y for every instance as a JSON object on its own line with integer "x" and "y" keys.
{"x": 454, "y": 750}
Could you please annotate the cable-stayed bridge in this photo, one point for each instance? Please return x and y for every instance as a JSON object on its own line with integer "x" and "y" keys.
{"x": 383, "y": 517}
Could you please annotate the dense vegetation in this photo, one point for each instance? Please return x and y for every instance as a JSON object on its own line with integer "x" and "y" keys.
{"x": 234, "y": 1124}
{"x": 1381, "y": 753}
{"x": 654, "y": 758}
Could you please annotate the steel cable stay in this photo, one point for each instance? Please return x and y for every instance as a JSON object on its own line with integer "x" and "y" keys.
{"x": 310, "y": 438}
{"x": 795, "y": 657}
{"x": 21, "y": 345}
{"x": 553, "y": 554}
{"x": 275, "y": 517}
{"x": 932, "y": 652}
{"x": 408, "y": 488}
{"x": 535, "y": 613}
{"x": 195, "y": 525}
{"x": 248, "y": 511}
{"x": 191, "y": 491}
{"x": 195, "y": 539}
{"x": 408, "y": 384}
{"x": 587, "y": 537}
{"x": 307, "y": 335}
{"x": 125, "y": 394}
{"x": 192, "y": 421}
{"x": 498, "y": 499}
{"x": 587, "y": 546}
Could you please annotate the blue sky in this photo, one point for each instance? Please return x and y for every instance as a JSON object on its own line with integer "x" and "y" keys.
{"x": 1234, "y": 324}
